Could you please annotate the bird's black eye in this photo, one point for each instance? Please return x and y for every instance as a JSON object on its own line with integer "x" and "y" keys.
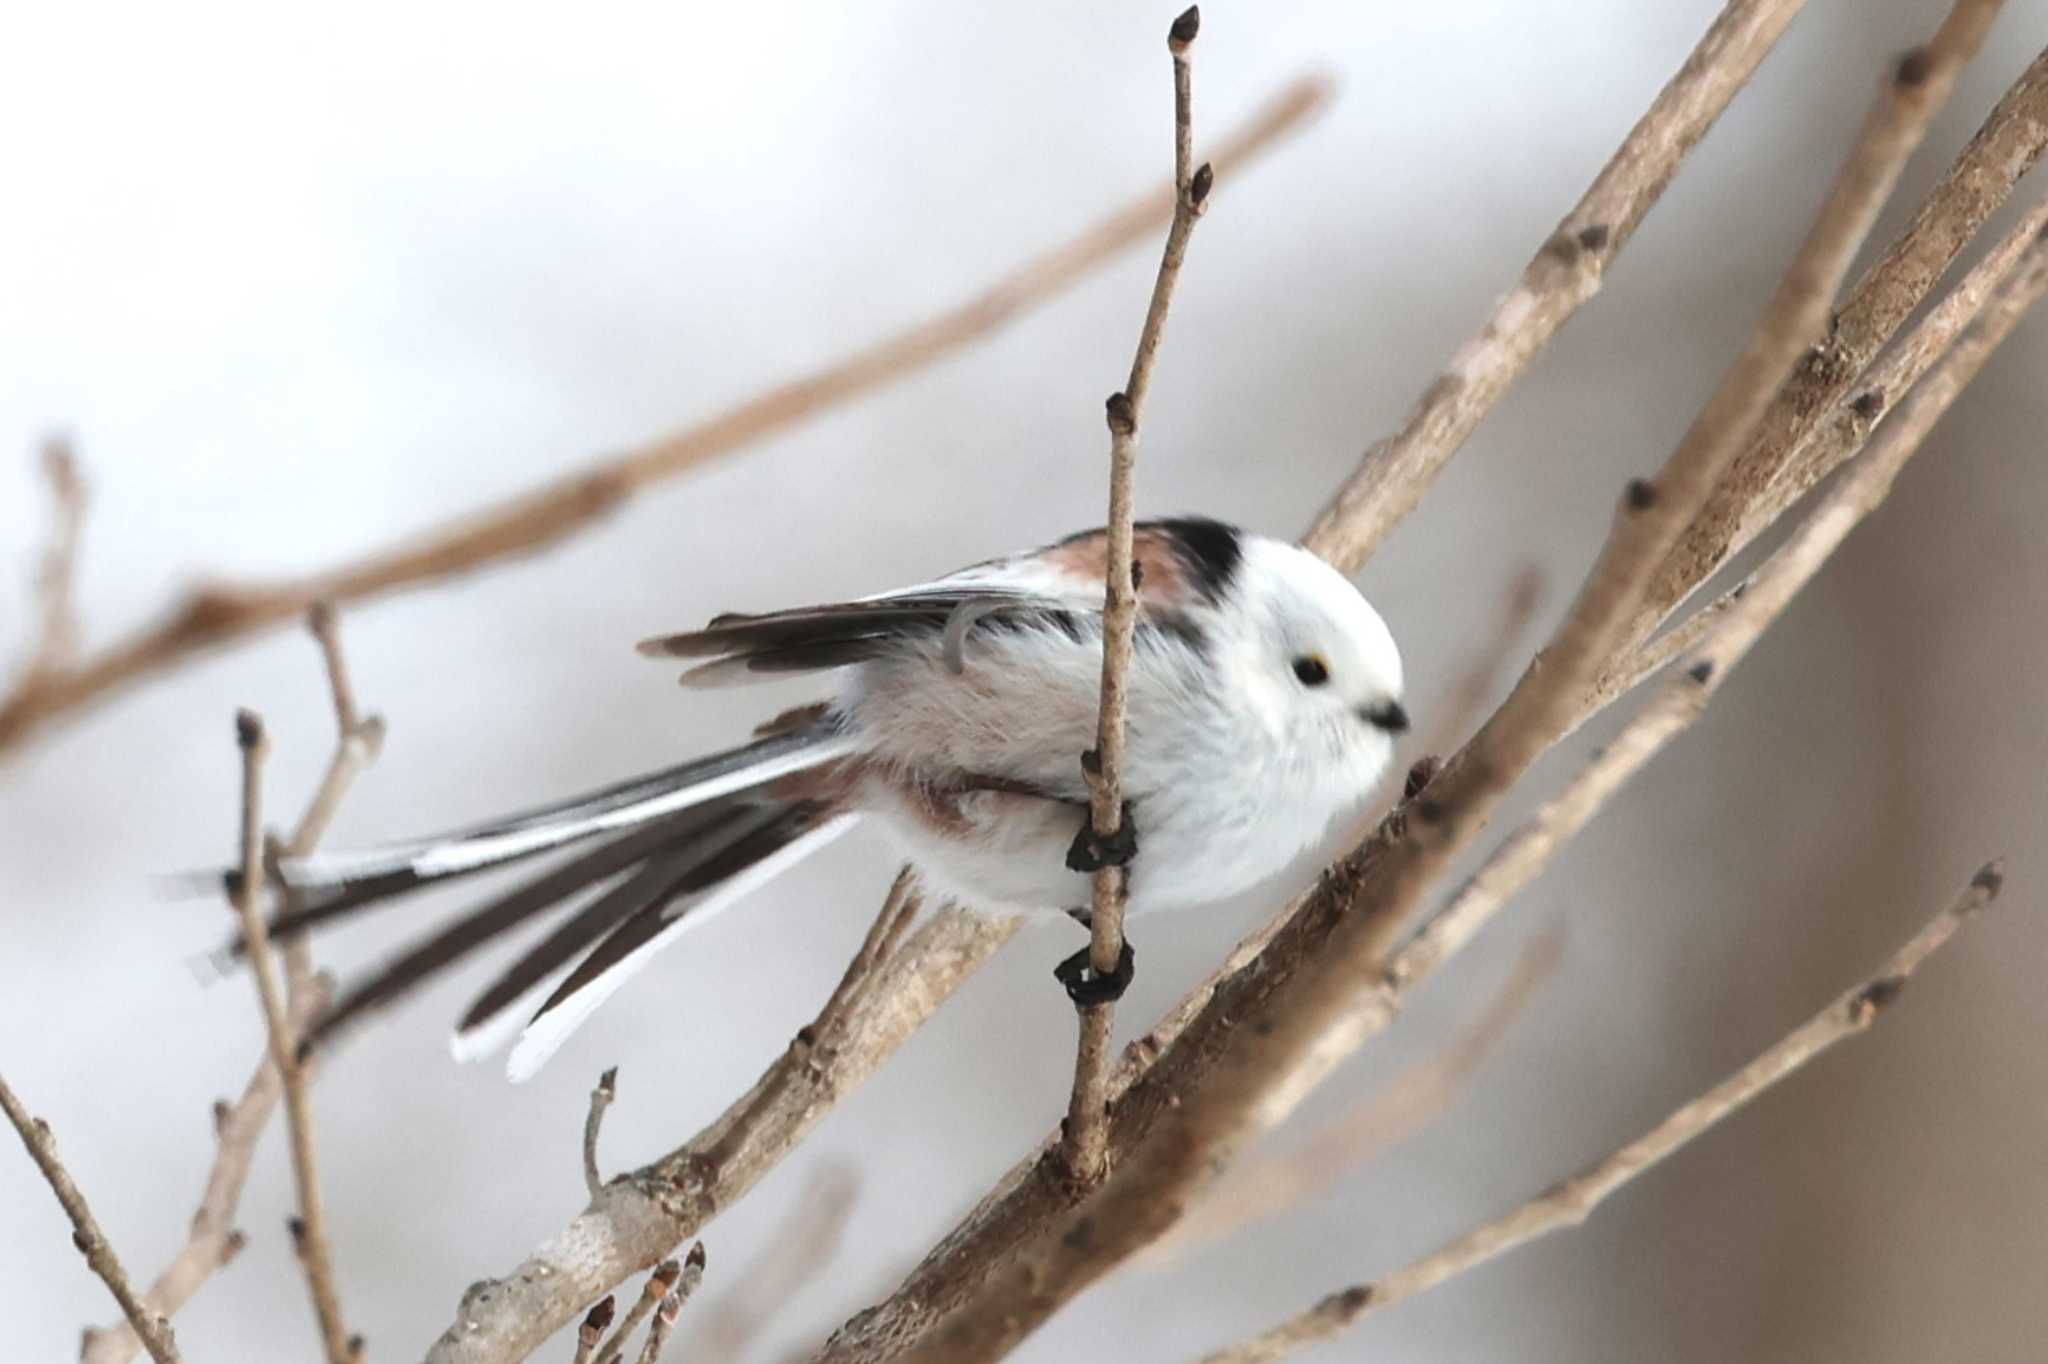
{"x": 1311, "y": 669}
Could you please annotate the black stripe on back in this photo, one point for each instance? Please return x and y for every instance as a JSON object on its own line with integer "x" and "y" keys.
{"x": 1209, "y": 550}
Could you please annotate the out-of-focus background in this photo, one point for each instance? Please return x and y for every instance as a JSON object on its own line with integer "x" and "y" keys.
{"x": 296, "y": 284}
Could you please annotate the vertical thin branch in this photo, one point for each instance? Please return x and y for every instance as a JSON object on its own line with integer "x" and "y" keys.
{"x": 600, "y": 1099}
{"x": 57, "y": 575}
{"x": 1103, "y": 765}
{"x": 657, "y": 1288}
{"x": 154, "y": 1330}
{"x": 1571, "y": 1201}
{"x": 310, "y": 1230}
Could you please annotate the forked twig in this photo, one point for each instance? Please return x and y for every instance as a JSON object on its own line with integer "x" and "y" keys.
{"x": 214, "y": 1240}
{"x": 1570, "y": 1202}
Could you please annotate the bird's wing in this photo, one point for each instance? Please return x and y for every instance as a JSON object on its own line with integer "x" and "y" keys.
{"x": 1181, "y": 566}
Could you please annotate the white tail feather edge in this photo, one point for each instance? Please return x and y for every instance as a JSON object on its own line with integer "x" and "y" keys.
{"x": 466, "y": 854}
{"x": 545, "y": 1034}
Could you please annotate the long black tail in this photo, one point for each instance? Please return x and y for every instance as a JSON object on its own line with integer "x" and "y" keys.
{"x": 640, "y": 889}
{"x": 683, "y": 843}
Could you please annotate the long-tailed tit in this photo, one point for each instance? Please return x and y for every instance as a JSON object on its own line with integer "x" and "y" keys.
{"x": 1264, "y": 694}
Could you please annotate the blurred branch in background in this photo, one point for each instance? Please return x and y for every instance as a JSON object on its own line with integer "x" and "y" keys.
{"x": 794, "y": 1255}
{"x": 55, "y": 685}
{"x": 1415, "y": 1098}
{"x": 1571, "y": 1201}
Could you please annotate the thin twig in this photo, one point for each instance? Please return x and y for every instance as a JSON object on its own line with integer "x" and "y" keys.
{"x": 310, "y": 1228}
{"x": 211, "y": 616}
{"x": 595, "y": 1323}
{"x": 358, "y": 740}
{"x": 1102, "y": 766}
{"x": 657, "y": 1287}
{"x": 1570, "y": 1202}
{"x": 639, "y": 1219}
{"x": 1562, "y": 276}
{"x": 658, "y": 1329}
{"x": 600, "y": 1099}
{"x": 672, "y": 1306}
{"x": 214, "y": 1240}
{"x": 57, "y": 575}
{"x": 154, "y": 1330}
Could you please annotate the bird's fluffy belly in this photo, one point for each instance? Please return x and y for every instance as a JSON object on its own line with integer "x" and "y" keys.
{"x": 1213, "y": 815}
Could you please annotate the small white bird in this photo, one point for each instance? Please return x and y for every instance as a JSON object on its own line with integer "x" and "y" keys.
{"x": 1264, "y": 694}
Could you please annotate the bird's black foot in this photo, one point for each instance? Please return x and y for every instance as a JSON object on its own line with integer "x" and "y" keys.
{"x": 1086, "y": 988}
{"x": 1090, "y": 853}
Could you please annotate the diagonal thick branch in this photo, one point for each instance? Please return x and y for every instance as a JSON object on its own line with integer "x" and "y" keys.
{"x": 214, "y": 615}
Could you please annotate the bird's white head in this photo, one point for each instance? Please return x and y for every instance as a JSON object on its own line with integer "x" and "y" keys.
{"x": 1319, "y": 666}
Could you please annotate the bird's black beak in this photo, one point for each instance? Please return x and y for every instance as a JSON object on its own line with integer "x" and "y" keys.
{"x": 1387, "y": 715}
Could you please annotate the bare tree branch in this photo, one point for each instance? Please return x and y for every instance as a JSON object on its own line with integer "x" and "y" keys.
{"x": 1570, "y": 1202}
{"x": 1732, "y": 631}
{"x": 652, "y": 1293}
{"x": 639, "y": 1219}
{"x": 1566, "y": 271}
{"x": 595, "y": 1323}
{"x": 1102, "y": 767}
{"x": 57, "y": 576}
{"x": 214, "y": 1240}
{"x": 601, "y": 1096}
{"x": 1827, "y": 444}
{"x": 2005, "y": 148}
{"x": 1250, "y": 1052}
{"x": 214, "y": 615}
{"x": 309, "y": 1230}
{"x": 154, "y": 1330}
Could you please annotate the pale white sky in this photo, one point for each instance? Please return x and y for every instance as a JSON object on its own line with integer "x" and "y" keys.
{"x": 297, "y": 282}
